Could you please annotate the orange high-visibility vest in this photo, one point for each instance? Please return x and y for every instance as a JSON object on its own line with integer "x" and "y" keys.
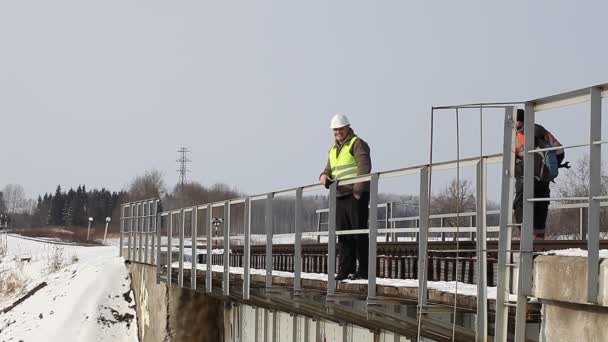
{"x": 520, "y": 142}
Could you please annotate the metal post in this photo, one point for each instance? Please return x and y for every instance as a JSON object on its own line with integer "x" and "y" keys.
{"x": 193, "y": 235}
{"x": 130, "y": 237}
{"x": 482, "y": 290}
{"x": 471, "y": 234}
{"x": 158, "y": 223}
{"x": 88, "y": 230}
{"x": 386, "y": 221}
{"x": 209, "y": 273}
{"x": 140, "y": 226}
{"x": 147, "y": 230}
{"x": 423, "y": 236}
{"x": 331, "y": 244}
{"x": 524, "y": 283}
{"x": 581, "y": 231}
{"x": 373, "y": 233}
{"x": 154, "y": 218}
{"x": 226, "y": 280}
{"x": 506, "y": 218}
{"x": 170, "y": 249}
{"x": 182, "y": 226}
{"x": 142, "y": 232}
{"x": 391, "y": 223}
{"x": 318, "y": 226}
{"x": 595, "y": 189}
{"x": 247, "y": 248}
{"x": 297, "y": 258}
{"x": 269, "y": 241}
{"x": 122, "y": 229}
{"x": 105, "y": 232}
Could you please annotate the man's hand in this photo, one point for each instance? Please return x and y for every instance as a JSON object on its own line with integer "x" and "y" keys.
{"x": 325, "y": 181}
{"x": 357, "y": 190}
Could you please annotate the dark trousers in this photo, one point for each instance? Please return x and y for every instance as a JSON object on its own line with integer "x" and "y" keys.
{"x": 541, "y": 209}
{"x": 352, "y": 213}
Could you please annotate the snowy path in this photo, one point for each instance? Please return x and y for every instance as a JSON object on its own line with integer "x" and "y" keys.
{"x": 87, "y": 300}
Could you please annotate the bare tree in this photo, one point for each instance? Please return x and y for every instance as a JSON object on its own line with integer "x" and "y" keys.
{"x": 454, "y": 199}
{"x": 148, "y": 185}
{"x": 193, "y": 193}
{"x": 14, "y": 198}
{"x": 575, "y": 183}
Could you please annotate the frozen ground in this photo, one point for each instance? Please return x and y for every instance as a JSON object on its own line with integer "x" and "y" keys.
{"x": 83, "y": 293}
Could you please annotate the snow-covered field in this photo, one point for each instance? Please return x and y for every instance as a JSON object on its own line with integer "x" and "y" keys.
{"x": 81, "y": 293}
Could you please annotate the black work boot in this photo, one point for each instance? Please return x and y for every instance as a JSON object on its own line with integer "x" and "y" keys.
{"x": 341, "y": 276}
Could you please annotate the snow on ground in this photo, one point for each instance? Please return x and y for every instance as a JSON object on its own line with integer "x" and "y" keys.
{"x": 87, "y": 298}
{"x": 575, "y": 252}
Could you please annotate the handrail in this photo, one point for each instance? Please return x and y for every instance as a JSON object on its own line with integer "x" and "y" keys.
{"x": 444, "y": 165}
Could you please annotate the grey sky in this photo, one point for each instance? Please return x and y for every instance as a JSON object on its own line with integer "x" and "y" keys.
{"x": 96, "y": 92}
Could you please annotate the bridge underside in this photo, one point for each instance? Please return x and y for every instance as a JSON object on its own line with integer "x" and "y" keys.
{"x": 396, "y": 309}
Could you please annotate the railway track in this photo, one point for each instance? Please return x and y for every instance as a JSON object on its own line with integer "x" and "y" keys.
{"x": 397, "y": 260}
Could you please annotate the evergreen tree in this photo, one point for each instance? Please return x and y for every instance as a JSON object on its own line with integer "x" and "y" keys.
{"x": 57, "y": 205}
{"x": 2, "y": 204}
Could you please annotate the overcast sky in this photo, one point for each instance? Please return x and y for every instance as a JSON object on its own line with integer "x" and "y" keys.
{"x": 97, "y": 92}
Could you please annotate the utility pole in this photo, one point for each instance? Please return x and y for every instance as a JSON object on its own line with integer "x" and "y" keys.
{"x": 183, "y": 165}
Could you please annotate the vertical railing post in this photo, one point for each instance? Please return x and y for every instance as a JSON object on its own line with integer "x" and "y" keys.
{"x": 386, "y": 220}
{"x": 147, "y": 221}
{"x": 193, "y": 235}
{"x": 297, "y": 261}
{"x": 141, "y": 214}
{"x": 209, "y": 254}
{"x": 153, "y": 232}
{"x": 331, "y": 244}
{"x": 182, "y": 226}
{"x": 247, "y": 248}
{"x": 373, "y": 233}
{"x": 136, "y": 233}
{"x": 130, "y": 239}
{"x": 318, "y": 215}
{"x": 595, "y": 189}
{"x": 524, "y": 283}
{"x": 226, "y": 275}
{"x": 158, "y": 224}
{"x": 423, "y": 236}
{"x": 122, "y": 229}
{"x": 269, "y": 241}
{"x": 480, "y": 243}
{"x": 150, "y": 239}
{"x": 581, "y": 231}
{"x": 170, "y": 249}
{"x": 504, "y": 235}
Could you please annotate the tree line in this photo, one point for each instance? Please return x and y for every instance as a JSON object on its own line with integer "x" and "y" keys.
{"x": 73, "y": 207}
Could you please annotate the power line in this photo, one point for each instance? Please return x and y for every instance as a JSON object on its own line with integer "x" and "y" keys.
{"x": 183, "y": 164}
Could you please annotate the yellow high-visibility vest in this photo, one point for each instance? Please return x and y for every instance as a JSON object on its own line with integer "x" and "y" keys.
{"x": 343, "y": 165}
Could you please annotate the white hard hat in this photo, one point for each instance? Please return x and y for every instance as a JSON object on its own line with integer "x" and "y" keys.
{"x": 339, "y": 120}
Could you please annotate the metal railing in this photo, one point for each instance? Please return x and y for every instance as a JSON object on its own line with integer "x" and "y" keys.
{"x": 140, "y": 224}
{"x": 592, "y": 95}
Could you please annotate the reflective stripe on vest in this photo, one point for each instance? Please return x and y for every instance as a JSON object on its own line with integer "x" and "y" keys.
{"x": 343, "y": 165}
{"x": 520, "y": 142}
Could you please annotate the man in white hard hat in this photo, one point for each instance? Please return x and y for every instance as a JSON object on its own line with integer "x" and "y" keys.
{"x": 349, "y": 157}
